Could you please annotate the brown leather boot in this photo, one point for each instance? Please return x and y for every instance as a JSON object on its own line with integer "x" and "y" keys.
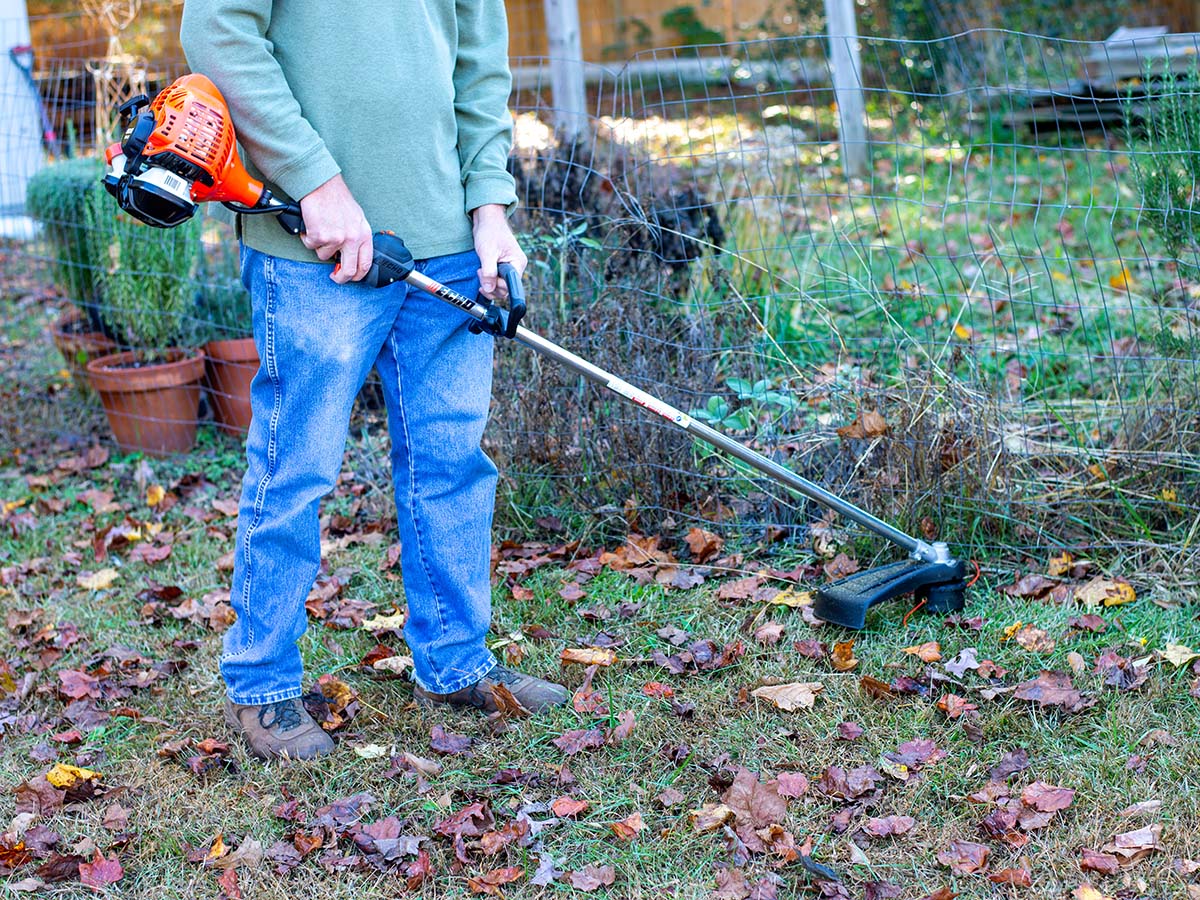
{"x": 535, "y": 694}
{"x": 280, "y": 729}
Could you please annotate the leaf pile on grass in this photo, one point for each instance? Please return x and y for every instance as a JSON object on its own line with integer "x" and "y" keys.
{"x": 720, "y": 741}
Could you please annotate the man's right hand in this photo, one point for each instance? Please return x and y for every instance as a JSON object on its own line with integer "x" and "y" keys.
{"x": 336, "y": 227}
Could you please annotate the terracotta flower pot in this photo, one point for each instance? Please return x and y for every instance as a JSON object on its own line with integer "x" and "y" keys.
{"x": 79, "y": 344}
{"x": 151, "y": 407}
{"x": 230, "y": 366}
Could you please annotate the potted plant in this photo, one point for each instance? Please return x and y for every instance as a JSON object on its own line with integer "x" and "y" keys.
{"x": 151, "y": 393}
{"x": 57, "y": 197}
{"x": 231, "y": 358}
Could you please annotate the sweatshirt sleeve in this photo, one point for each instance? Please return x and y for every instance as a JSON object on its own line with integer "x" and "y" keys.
{"x": 482, "y": 83}
{"x": 226, "y": 40}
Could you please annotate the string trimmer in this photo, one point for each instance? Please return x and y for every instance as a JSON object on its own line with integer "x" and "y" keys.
{"x": 180, "y": 151}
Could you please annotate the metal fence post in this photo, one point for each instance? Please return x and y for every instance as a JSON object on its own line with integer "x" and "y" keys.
{"x": 847, "y": 86}
{"x": 567, "y": 87}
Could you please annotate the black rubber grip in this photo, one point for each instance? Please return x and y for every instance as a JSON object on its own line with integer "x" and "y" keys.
{"x": 516, "y": 298}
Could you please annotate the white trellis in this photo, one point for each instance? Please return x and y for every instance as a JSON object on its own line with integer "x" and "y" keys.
{"x": 117, "y": 75}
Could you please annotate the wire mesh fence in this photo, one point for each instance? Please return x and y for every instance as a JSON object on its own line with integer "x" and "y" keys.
{"x": 990, "y": 339}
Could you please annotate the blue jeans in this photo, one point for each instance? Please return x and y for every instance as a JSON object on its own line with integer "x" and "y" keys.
{"x": 317, "y": 341}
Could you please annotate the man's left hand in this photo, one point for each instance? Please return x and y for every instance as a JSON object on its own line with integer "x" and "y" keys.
{"x": 495, "y": 243}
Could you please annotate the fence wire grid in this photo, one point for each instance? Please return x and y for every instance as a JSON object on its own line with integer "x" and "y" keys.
{"x": 988, "y": 339}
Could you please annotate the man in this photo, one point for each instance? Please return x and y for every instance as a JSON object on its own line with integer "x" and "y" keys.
{"x": 377, "y": 116}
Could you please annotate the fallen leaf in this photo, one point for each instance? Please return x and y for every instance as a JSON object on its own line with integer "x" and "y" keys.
{"x": 448, "y": 743}
{"x": 1053, "y": 689}
{"x": 228, "y": 882}
{"x": 1134, "y": 846}
{"x": 566, "y": 807}
{"x": 588, "y": 656}
{"x": 592, "y": 877}
{"x": 576, "y": 740}
{"x": 965, "y": 661}
{"x": 1060, "y": 565}
{"x": 790, "y": 697}
{"x": 97, "y": 581}
{"x": 791, "y": 784}
{"x": 1122, "y": 281}
{"x": 572, "y": 592}
{"x": 755, "y": 802}
{"x": 155, "y": 494}
{"x": 842, "y": 658}
{"x": 703, "y": 544}
{"x": 1094, "y": 861}
{"x": 491, "y": 882}
{"x": 377, "y": 623}
{"x": 629, "y": 827}
{"x": 1047, "y": 797}
{"x": 769, "y": 633}
{"x": 1177, "y": 654}
{"x": 964, "y": 857}
{"x": 1142, "y": 808}
{"x": 710, "y": 817}
{"x": 888, "y": 826}
{"x": 1105, "y": 591}
{"x": 849, "y": 731}
{"x": 954, "y": 706}
{"x": 1012, "y": 877}
{"x": 731, "y": 885}
{"x": 928, "y": 652}
{"x": 67, "y": 777}
{"x": 1034, "y": 639}
{"x": 101, "y": 871}
{"x": 869, "y": 424}
{"x": 792, "y": 599}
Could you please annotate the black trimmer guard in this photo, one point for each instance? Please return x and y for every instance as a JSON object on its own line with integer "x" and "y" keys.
{"x": 942, "y": 585}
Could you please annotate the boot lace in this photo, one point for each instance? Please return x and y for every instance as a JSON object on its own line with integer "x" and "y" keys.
{"x": 282, "y": 714}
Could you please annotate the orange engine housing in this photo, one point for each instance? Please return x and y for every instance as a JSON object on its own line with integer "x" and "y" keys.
{"x": 192, "y": 122}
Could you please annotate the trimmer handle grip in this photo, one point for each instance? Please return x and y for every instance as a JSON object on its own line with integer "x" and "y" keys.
{"x": 390, "y": 260}
{"x": 516, "y": 298}
{"x": 290, "y": 219}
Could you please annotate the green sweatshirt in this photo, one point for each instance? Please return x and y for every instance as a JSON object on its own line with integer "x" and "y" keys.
{"x": 408, "y": 99}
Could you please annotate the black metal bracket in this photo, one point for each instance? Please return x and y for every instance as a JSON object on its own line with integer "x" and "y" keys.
{"x": 942, "y": 585}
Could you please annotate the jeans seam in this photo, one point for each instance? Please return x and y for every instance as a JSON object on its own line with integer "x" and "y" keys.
{"x": 466, "y": 680}
{"x": 412, "y": 488}
{"x": 272, "y": 367}
{"x": 264, "y": 699}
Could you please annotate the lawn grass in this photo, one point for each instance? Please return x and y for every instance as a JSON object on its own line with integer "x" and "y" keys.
{"x": 1131, "y": 746}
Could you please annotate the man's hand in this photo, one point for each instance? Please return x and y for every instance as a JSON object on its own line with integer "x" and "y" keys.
{"x": 495, "y": 243}
{"x": 334, "y": 224}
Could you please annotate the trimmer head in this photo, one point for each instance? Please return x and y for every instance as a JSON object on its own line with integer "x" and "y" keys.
{"x": 941, "y": 584}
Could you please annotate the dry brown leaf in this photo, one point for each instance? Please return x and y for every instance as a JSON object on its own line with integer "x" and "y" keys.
{"x": 566, "y": 807}
{"x": 790, "y": 697}
{"x": 592, "y": 877}
{"x": 588, "y": 656}
{"x": 1034, "y": 639}
{"x": 1102, "y": 591}
{"x": 964, "y": 857}
{"x": 710, "y": 817}
{"x": 869, "y": 424}
{"x": 703, "y": 544}
{"x": 97, "y": 581}
{"x": 629, "y": 827}
{"x": 842, "y": 658}
{"x": 928, "y": 652}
